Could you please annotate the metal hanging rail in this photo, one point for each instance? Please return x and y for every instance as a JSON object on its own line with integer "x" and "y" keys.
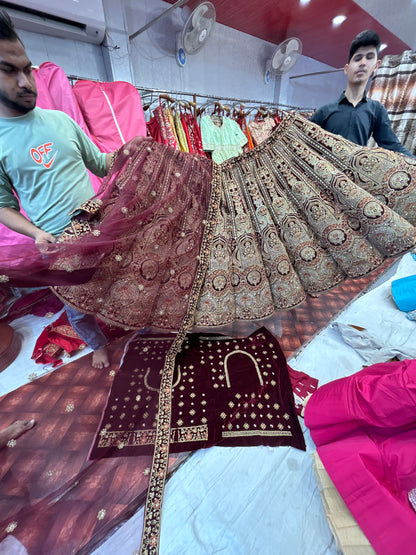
{"x": 149, "y": 90}
{"x": 317, "y": 73}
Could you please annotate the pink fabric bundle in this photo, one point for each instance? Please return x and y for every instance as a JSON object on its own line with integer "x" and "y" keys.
{"x": 113, "y": 112}
{"x": 364, "y": 427}
{"x": 56, "y": 93}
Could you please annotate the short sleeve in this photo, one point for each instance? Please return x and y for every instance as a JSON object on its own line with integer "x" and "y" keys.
{"x": 93, "y": 158}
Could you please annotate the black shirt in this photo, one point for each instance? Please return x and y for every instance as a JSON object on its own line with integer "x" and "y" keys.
{"x": 358, "y": 123}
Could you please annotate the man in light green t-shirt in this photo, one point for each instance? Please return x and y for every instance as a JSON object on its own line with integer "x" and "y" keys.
{"x": 44, "y": 156}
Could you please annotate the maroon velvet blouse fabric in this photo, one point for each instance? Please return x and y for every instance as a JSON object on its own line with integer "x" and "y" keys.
{"x": 226, "y": 392}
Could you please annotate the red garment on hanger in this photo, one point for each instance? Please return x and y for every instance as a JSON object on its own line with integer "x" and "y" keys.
{"x": 194, "y": 134}
{"x": 166, "y": 132}
{"x": 113, "y": 112}
{"x": 186, "y": 131}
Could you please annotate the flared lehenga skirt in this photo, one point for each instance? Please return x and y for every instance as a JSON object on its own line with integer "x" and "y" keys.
{"x": 295, "y": 216}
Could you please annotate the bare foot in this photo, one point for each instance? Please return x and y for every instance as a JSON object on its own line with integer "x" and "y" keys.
{"x": 15, "y": 430}
{"x": 100, "y": 358}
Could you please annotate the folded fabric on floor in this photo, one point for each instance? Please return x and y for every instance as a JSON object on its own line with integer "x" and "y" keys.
{"x": 59, "y": 340}
{"x": 226, "y": 392}
{"x": 364, "y": 428}
{"x": 53, "y": 500}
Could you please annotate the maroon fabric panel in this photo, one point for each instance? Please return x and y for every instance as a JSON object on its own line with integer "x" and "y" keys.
{"x": 230, "y": 392}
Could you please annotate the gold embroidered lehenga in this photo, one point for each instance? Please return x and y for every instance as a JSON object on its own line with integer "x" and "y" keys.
{"x": 177, "y": 240}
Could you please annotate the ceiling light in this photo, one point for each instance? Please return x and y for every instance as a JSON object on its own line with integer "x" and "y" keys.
{"x": 304, "y": 2}
{"x": 382, "y": 46}
{"x": 338, "y": 20}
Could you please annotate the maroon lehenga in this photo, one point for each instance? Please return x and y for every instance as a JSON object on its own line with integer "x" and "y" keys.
{"x": 176, "y": 240}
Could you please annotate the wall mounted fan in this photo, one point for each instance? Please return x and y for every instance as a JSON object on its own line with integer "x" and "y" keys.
{"x": 284, "y": 58}
{"x": 195, "y": 32}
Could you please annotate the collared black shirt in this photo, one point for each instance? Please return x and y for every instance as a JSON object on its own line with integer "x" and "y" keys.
{"x": 358, "y": 123}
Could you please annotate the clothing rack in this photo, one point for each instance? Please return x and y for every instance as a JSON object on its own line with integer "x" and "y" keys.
{"x": 145, "y": 92}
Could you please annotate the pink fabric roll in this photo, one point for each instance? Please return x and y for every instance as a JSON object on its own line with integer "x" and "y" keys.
{"x": 364, "y": 427}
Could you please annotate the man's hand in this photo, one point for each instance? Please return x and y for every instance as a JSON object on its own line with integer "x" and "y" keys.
{"x": 43, "y": 237}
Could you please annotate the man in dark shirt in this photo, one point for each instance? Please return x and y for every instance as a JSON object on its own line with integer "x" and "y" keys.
{"x": 354, "y": 116}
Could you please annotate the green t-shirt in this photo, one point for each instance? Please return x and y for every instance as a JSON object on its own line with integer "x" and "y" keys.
{"x": 43, "y": 158}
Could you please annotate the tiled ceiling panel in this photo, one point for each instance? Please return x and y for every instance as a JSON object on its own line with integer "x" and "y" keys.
{"x": 276, "y": 20}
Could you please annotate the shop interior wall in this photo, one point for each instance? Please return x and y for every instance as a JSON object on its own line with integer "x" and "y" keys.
{"x": 230, "y": 65}
{"x": 74, "y": 57}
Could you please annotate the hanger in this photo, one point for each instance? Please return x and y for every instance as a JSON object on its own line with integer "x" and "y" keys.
{"x": 168, "y": 99}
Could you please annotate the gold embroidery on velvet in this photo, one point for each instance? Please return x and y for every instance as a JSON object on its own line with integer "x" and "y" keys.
{"x": 256, "y": 433}
{"x": 152, "y": 516}
{"x": 227, "y": 377}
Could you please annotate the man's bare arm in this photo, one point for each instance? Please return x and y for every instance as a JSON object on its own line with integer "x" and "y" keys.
{"x": 15, "y": 221}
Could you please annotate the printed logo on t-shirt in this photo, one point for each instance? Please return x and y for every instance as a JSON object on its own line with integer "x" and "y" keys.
{"x": 42, "y": 155}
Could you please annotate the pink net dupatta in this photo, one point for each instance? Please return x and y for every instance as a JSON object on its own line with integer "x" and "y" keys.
{"x": 137, "y": 249}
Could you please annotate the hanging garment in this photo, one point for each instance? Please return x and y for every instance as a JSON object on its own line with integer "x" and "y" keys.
{"x": 222, "y": 136}
{"x": 56, "y": 93}
{"x": 194, "y": 134}
{"x": 187, "y": 134}
{"x": 261, "y": 129}
{"x": 165, "y": 128}
{"x": 394, "y": 85}
{"x": 175, "y": 233}
{"x": 180, "y": 132}
{"x": 364, "y": 427}
{"x": 226, "y": 392}
{"x": 242, "y": 122}
{"x": 113, "y": 112}
{"x": 153, "y": 129}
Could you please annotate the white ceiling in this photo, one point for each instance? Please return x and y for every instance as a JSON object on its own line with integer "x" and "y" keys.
{"x": 398, "y": 16}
